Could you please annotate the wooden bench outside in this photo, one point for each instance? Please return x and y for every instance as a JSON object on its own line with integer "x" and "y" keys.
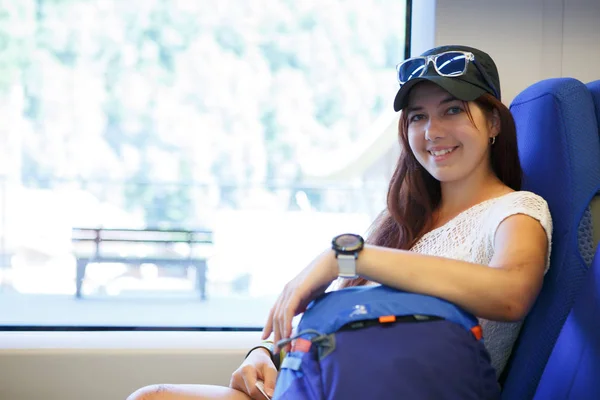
{"x": 162, "y": 247}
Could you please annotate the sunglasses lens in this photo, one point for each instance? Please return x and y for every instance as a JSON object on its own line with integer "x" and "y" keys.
{"x": 411, "y": 69}
{"x": 451, "y": 63}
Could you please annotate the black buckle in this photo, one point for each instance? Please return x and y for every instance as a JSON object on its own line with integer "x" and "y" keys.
{"x": 402, "y": 319}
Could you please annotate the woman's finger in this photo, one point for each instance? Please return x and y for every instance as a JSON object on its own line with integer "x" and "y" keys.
{"x": 287, "y": 318}
{"x": 278, "y": 320}
{"x": 276, "y": 325}
{"x": 268, "y": 329}
{"x": 285, "y": 331}
{"x": 250, "y": 376}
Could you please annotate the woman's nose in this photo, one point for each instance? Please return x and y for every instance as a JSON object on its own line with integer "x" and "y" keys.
{"x": 433, "y": 130}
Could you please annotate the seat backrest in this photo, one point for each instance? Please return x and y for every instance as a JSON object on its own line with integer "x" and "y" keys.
{"x": 559, "y": 150}
{"x": 573, "y": 368}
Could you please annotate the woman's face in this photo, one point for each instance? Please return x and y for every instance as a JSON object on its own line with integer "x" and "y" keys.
{"x": 443, "y": 138}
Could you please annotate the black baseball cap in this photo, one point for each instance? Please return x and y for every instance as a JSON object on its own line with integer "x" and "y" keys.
{"x": 480, "y": 77}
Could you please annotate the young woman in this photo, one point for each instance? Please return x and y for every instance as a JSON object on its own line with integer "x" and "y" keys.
{"x": 456, "y": 226}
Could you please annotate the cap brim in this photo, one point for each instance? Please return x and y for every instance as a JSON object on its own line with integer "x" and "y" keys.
{"x": 458, "y": 88}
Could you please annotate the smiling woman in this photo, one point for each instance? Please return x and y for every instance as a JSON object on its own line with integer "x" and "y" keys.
{"x": 447, "y": 183}
{"x": 270, "y": 123}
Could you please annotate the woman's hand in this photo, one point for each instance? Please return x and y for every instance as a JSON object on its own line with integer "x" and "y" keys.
{"x": 257, "y": 366}
{"x": 298, "y": 293}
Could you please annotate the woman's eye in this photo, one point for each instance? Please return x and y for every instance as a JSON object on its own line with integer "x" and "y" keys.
{"x": 416, "y": 117}
{"x": 454, "y": 110}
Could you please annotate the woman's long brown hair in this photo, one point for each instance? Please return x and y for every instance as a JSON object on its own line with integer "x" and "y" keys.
{"x": 414, "y": 194}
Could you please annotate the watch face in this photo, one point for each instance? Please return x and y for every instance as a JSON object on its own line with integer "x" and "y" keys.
{"x": 348, "y": 242}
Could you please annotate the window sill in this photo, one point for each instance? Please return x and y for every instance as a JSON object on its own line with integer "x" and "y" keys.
{"x": 170, "y": 341}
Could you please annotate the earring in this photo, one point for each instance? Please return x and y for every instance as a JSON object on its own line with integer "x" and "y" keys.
{"x": 493, "y": 140}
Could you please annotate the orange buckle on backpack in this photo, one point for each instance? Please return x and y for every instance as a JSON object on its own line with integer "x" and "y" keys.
{"x": 301, "y": 345}
{"x": 386, "y": 319}
{"x": 477, "y": 332}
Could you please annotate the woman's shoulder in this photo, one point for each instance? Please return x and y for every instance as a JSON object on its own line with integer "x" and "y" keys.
{"x": 525, "y": 203}
{"x": 520, "y": 199}
{"x": 520, "y": 202}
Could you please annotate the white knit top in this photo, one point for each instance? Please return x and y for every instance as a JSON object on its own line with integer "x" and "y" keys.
{"x": 470, "y": 237}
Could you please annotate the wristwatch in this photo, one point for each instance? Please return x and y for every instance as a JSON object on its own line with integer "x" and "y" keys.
{"x": 346, "y": 247}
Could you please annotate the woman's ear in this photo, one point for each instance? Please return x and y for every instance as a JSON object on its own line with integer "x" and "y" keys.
{"x": 495, "y": 124}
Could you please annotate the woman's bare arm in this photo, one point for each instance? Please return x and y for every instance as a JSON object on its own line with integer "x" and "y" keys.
{"x": 506, "y": 291}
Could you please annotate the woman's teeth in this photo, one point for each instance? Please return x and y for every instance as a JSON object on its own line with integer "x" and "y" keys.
{"x": 442, "y": 152}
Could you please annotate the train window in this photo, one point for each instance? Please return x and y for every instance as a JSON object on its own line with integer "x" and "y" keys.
{"x": 171, "y": 164}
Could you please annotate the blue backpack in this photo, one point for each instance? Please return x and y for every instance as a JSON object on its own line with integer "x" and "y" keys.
{"x": 374, "y": 342}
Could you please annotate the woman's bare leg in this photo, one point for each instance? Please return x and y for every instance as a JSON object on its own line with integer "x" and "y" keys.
{"x": 187, "y": 392}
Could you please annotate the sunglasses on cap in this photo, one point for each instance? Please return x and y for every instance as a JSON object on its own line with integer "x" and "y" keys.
{"x": 448, "y": 64}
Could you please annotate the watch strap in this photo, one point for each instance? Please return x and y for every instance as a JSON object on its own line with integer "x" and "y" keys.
{"x": 268, "y": 345}
{"x": 347, "y": 266}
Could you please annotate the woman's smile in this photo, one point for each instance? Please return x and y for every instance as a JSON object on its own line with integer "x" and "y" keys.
{"x": 440, "y": 154}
